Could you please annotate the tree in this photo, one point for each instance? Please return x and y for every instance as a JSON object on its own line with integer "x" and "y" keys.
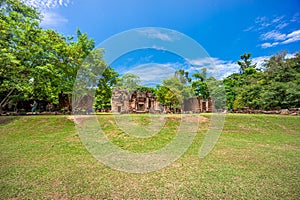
{"x": 245, "y": 63}
{"x": 275, "y": 88}
{"x": 174, "y": 90}
{"x": 199, "y": 85}
{"x": 129, "y": 81}
{"x": 36, "y": 63}
{"x": 183, "y": 76}
{"x": 18, "y": 30}
{"x": 104, "y": 91}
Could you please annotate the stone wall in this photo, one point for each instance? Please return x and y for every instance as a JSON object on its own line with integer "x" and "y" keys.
{"x": 120, "y": 100}
{"x": 197, "y": 105}
{"x": 290, "y": 111}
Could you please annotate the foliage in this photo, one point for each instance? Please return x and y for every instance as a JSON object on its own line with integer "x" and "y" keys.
{"x": 129, "y": 81}
{"x": 36, "y": 63}
{"x": 245, "y": 63}
{"x": 104, "y": 91}
{"x": 276, "y": 87}
{"x": 183, "y": 76}
{"x": 199, "y": 85}
{"x": 175, "y": 89}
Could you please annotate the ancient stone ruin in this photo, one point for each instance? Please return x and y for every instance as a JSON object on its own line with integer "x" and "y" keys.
{"x": 123, "y": 101}
{"x": 198, "y": 105}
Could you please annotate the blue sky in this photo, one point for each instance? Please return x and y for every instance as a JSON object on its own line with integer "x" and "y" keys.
{"x": 224, "y": 28}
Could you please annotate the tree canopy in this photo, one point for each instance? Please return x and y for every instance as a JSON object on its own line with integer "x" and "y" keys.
{"x": 38, "y": 63}
{"x": 278, "y": 86}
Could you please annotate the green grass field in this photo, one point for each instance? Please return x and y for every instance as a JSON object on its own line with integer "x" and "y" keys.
{"x": 256, "y": 157}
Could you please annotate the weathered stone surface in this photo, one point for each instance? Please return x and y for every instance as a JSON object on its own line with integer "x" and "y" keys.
{"x": 198, "y": 105}
{"x": 123, "y": 101}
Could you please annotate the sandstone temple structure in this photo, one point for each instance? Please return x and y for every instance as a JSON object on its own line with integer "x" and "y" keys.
{"x": 123, "y": 101}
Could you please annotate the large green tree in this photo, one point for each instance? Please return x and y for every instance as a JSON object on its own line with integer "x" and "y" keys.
{"x": 19, "y": 29}
{"x": 36, "y": 63}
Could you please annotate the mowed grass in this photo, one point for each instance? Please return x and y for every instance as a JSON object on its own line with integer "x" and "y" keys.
{"x": 256, "y": 157}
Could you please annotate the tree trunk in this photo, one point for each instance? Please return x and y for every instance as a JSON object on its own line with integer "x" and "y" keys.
{"x": 5, "y": 101}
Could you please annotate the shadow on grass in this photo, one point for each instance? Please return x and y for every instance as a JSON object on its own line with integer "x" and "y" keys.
{"x": 7, "y": 119}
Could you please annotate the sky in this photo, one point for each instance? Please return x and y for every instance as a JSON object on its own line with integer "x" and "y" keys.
{"x": 225, "y": 29}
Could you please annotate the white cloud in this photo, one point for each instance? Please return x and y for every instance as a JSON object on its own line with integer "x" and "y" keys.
{"x": 277, "y": 19}
{"x": 47, "y": 4}
{"x": 259, "y": 61}
{"x": 273, "y": 35}
{"x": 153, "y": 73}
{"x": 215, "y": 67}
{"x": 294, "y": 34}
{"x": 292, "y": 37}
{"x": 282, "y": 25}
{"x": 50, "y": 19}
{"x": 277, "y": 36}
{"x": 203, "y": 62}
{"x": 268, "y": 44}
{"x": 289, "y": 55}
{"x": 53, "y": 20}
{"x": 262, "y": 23}
{"x": 158, "y": 47}
{"x": 295, "y": 17}
{"x": 262, "y": 59}
{"x": 223, "y": 68}
{"x": 273, "y": 31}
{"x": 250, "y": 28}
{"x": 159, "y": 34}
{"x": 259, "y": 20}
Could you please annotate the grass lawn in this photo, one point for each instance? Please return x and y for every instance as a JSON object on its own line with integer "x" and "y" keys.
{"x": 256, "y": 157}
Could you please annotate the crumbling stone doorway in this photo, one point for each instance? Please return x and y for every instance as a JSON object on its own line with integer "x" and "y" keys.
{"x": 141, "y": 106}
